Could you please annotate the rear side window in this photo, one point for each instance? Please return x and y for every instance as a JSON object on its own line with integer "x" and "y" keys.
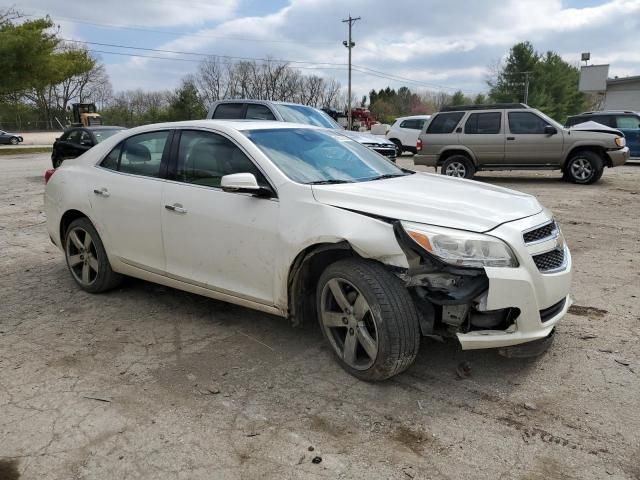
{"x": 259, "y": 112}
{"x": 487, "y": 123}
{"x": 229, "y": 111}
{"x": 526, "y": 123}
{"x": 413, "y": 124}
{"x": 445, "y": 122}
{"x": 138, "y": 155}
{"x": 627, "y": 121}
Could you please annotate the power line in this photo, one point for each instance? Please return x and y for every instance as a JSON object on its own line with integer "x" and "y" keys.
{"x": 199, "y": 54}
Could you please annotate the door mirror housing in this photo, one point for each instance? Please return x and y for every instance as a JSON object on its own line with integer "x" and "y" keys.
{"x": 244, "y": 183}
{"x": 550, "y": 130}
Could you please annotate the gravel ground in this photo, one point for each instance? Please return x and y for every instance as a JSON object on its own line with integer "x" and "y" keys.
{"x": 149, "y": 382}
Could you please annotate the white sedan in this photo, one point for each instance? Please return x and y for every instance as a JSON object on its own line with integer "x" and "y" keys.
{"x": 308, "y": 224}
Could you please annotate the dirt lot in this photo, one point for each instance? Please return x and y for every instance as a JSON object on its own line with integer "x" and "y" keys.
{"x": 149, "y": 382}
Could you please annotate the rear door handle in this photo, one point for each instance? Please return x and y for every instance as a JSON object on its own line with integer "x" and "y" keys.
{"x": 176, "y": 207}
{"x": 103, "y": 192}
{"x": 511, "y": 138}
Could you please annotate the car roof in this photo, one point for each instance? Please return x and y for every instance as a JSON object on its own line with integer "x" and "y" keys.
{"x": 273, "y": 102}
{"x": 605, "y": 112}
{"x": 240, "y": 125}
{"x": 412, "y": 117}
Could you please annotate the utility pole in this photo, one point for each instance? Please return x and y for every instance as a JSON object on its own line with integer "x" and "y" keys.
{"x": 526, "y": 87}
{"x": 349, "y": 46}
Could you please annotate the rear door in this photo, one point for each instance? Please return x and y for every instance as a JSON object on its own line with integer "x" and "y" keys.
{"x": 527, "y": 144}
{"x": 629, "y": 124}
{"x": 483, "y": 133}
{"x": 441, "y": 131}
{"x": 125, "y": 192}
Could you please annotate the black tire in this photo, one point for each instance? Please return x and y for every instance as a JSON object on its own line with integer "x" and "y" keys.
{"x": 399, "y": 147}
{"x": 458, "y": 166}
{"x": 584, "y": 168}
{"x": 14, "y": 140}
{"x": 104, "y": 278}
{"x": 56, "y": 161}
{"x": 390, "y": 308}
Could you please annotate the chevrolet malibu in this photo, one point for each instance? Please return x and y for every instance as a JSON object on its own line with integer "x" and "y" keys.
{"x": 308, "y": 224}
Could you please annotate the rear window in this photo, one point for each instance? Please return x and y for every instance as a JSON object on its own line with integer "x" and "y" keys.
{"x": 487, "y": 123}
{"x": 445, "y": 122}
{"x": 229, "y": 111}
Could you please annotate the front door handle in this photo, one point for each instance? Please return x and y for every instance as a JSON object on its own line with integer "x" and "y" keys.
{"x": 103, "y": 192}
{"x": 511, "y": 138}
{"x": 176, "y": 207}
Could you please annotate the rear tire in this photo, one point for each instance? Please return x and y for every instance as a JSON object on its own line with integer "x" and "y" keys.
{"x": 399, "y": 147}
{"x": 584, "y": 168}
{"x": 56, "y": 162}
{"x": 14, "y": 141}
{"x": 458, "y": 166}
{"x": 87, "y": 259}
{"x": 368, "y": 318}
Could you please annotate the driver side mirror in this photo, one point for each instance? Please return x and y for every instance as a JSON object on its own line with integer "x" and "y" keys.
{"x": 550, "y": 130}
{"x": 244, "y": 183}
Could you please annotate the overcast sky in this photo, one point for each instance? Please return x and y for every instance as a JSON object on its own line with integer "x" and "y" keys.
{"x": 444, "y": 45}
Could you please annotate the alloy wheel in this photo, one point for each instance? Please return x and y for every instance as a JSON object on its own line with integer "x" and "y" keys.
{"x": 349, "y": 323}
{"x": 456, "y": 169}
{"x": 82, "y": 256}
{"x": 581, "y": 169}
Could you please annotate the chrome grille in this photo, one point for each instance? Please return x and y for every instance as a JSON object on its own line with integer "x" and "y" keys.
{"x": 550, "y": 261}
{"x": 541, "y": 233}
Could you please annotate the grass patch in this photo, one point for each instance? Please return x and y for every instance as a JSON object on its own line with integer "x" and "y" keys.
{"x": 23, "y": 150}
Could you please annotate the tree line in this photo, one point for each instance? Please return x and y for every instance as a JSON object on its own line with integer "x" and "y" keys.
{"x": 43, "y": 75}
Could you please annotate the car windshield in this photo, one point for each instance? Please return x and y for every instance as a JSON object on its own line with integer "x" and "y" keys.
{"x": 307, "y": 116}
{"x": 310, "y": 156}
{"x": 104, "y": 134}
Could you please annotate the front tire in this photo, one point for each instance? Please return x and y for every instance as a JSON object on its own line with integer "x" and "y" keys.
{"x": 458, "y": 166}
{"x": 87, "y": 259}
{"x": 368, "y": 318}
{"x": 399, "y": 147}
{"x": 584, "y": 168}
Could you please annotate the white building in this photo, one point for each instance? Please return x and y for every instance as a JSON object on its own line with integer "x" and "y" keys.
{"x": 622, "y": 94}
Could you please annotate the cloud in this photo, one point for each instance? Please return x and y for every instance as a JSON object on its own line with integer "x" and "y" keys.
{"x": 434, "y": 44}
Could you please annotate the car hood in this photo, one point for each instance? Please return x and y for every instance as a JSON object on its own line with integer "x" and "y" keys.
{"x": 432, "y": 199}
{"x": 361, "y": 137}
{"x": 595, "y": 127}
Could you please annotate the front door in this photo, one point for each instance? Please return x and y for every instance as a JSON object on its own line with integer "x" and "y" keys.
{"x": 219, "y": 240}
{"x": 125, "y": 191}
{"x": 528, "y": 144}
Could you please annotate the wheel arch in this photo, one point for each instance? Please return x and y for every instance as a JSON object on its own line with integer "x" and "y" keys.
{"x": 304, "y": 274}
{"x": 459, "y": 150}
{"x": 601, "y": 151}
{"x": 66, "y": 219}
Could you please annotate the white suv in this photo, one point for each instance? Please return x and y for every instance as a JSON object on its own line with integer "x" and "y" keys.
{"x": 404, "y": 132}
{"x": 308, "y": 224}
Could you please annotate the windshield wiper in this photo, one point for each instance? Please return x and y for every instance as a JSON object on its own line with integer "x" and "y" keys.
{"x": 328, "y": 182}
{"x": 388, "y": 175}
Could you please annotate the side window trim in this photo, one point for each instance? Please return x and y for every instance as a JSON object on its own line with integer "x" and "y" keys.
{"x": 175, "y": 152}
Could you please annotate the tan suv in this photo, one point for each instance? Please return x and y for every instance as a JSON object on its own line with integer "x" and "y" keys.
{"x": 464, "y": 139}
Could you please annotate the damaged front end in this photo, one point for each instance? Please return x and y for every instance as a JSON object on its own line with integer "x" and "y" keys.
{"x": 450, "y": 299}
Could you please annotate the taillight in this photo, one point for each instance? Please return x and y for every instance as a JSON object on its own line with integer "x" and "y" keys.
{"x": 419, "y": 145}
{"x": 48, "y": 174}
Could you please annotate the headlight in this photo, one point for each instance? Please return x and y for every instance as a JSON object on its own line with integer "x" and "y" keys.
{"x": 464, "y": 249}
{"x": 621, "y": 141}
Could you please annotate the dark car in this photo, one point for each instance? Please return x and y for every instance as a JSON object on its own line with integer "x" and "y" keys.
{"x": 10, "y": 138}
{"x": 77, "y": 140}
{"x": 626, "y": 121}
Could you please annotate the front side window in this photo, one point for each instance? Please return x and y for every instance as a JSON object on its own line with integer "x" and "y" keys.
{"x": 526, "y": 123}
{"x": 74, "y": 137}
{"x": 259, "y": 112}
{"x": 483, "y": 123}
{"x": 321, "y": 156}
{"x": 628, "y": 121}
{"x": 607, "y": 120}
{"x": 445, "y": 122}
{"x": 138, "y": 155}
{"x": 85, "y": 138}
{"x": 204, "y": 158}
{"x": 230, "y": 111}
